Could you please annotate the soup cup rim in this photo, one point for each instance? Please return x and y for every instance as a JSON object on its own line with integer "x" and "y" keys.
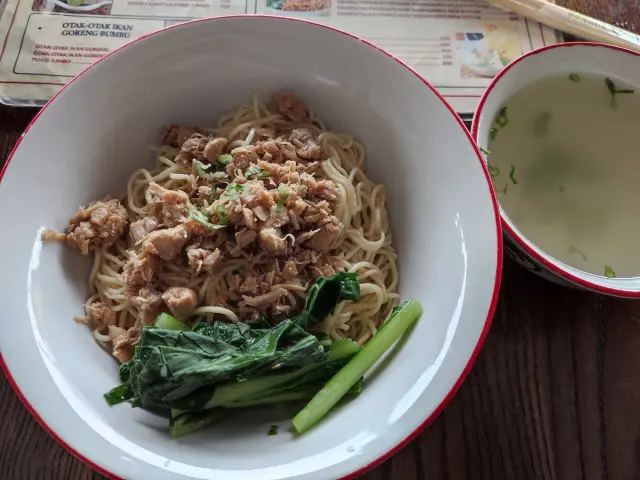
{"x": 530, "y": 248}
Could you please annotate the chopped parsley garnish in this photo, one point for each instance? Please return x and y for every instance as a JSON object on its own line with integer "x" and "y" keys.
{"x": 502, "y": 120}
{"x": 202, "y": 219}
{"x": 609, "y": 272}
{"x": 221, "y": 213}
{"x": 613, "y": 90}
{"x": 224, "y": 159}
{"x": 512, "y": 175}
{"x": 493, "y": 171}
{"x": 257, "y": 171}
{"x": 484, "y": 150}
{"x": 574, "y": 77}
{"x": 273, "y": 430}
{"x": 573, "y": 250}
{"x": 541, "y": 124}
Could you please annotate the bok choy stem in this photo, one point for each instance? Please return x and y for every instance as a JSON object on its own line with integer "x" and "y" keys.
{"x": 398, "y": 322}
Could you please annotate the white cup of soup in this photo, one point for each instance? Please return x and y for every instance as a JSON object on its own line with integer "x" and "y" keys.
{"x": 560, "y": 130}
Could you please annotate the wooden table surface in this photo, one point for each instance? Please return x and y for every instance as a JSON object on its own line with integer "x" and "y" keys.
{"x": 553, "y": 395}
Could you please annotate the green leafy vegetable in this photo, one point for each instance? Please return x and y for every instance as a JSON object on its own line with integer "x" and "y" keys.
{"x": 169, "y": 322}
{"x": 200, "y": 218}
{"x": 224, "y": 159}
{"x": 609, "y": 272}
{"x": 502, "y": 120}
{"x": 613, "y": 90}
{"x": 189, "y": 422}
{"x": 231, "y": 365}
{"x": 399, "y": 321}
{"x": 493, "y": 171}
{"x": 485, "y": 151}
{"x": 512, "y": 175}
{"x": 273, "y": 430}
{"x": 574, "y": 77}
{"x": 573, "y": 250}
{"x": 541, "y": 124}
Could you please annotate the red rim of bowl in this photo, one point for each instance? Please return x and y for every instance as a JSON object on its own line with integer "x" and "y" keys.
{"x": 554, "y": 268}
{"x": 498, "y": 274}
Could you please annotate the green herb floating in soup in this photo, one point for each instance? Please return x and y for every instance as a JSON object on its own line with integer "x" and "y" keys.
{"x": 573, "y": 249}
{"x": 502, "y": 120}
{"x": 485, "y": 151}
{"x": 569, "y": 167}
{"x": 609, "y": 272}
{"x": 541, "y": 124}
{"x": 493, "y": 171}
{"x": 613, "y": 90}
{"x": 273, "y": 430}
{"x": 493, "y": 133}
{"x": 233, "y": 253}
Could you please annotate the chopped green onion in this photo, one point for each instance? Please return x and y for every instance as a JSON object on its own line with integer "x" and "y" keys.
{"x": 493, "y": 133}
{"x": 609, "y": 272}
{"x": 257, "y": 171}
{"x": 574, "y": 77}
{"x": 221, "y": 213}
{"x": 512, "y": 175}
{"x": 234, "y": 190}
{"x": 198, "y": 217}
{"x": 399, "y": 321}
{"x": 573, "y": 250}
{"x": 168, "y": 322}
{"x": 502, "y": 120}
{"x": 541, "y": 124}
{"x": 224, "y": 159}
{"x": 493, "y": 171}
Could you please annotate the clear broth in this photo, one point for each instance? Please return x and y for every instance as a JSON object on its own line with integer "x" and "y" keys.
{"x": 565, "y": 162}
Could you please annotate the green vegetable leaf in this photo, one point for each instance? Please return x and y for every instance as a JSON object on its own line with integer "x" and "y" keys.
{"x": 574, "y": 77}
{"x": 609, "y": 272}
{"x": 284, "y": 195}
{"x": 613, "y": 90}
{"x": 541, "y": 124}
{"x": 119, "y": 394}
{"x": 164, "y": 320}
{"x": 512, "y": 175}
{"x": 325, "y": 294}
{"x": 486, "y": 152}
{"x": 493, "y": 170}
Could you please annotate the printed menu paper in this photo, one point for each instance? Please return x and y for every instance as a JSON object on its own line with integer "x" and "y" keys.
{"x": 457, "y": 45}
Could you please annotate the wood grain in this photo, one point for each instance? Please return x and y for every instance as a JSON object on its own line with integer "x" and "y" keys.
{"x": 553, "y": 395}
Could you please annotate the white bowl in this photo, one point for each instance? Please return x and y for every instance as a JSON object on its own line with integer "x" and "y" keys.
{"x": 89, "y": 139}
{"x": 560, "y": 59}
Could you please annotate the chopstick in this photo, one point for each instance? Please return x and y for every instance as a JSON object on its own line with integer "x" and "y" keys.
{"x": 571, "y": 22}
